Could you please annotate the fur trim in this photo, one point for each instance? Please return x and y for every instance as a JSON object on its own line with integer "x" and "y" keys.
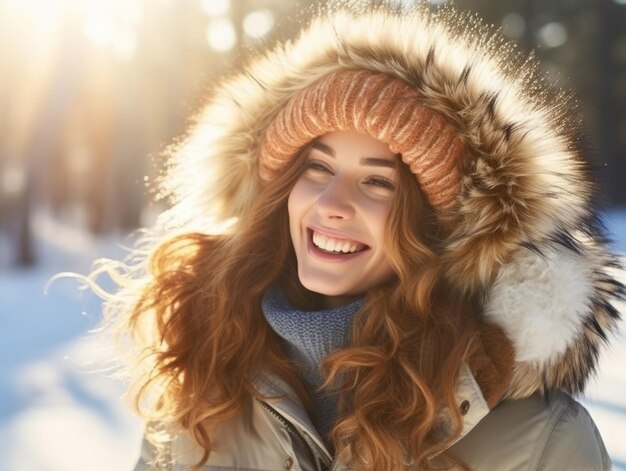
{"x": 524, "y": 224}
{"x": 492, "y": 362}
{"x": 538, "y": 294}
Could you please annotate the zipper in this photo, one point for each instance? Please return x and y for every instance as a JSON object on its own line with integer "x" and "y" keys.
{"x": 293, "y": 431}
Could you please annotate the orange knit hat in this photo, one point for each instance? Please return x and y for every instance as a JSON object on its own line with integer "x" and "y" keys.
{"x": 383, "y": 107}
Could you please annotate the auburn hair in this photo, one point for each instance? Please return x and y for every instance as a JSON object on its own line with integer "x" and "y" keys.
{"x": 198, "y": 336}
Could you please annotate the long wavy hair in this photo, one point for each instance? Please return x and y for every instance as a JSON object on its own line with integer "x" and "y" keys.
{"x": 200, "y": 338}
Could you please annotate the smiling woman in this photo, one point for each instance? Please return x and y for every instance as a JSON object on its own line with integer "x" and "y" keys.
{"x": 387, "y": 259}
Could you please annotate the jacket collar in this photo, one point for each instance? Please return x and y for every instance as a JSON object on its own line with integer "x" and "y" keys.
{"x": 470, "y": 402}
{"x": 283, "y": 399}
{"x": 280, "y": 396}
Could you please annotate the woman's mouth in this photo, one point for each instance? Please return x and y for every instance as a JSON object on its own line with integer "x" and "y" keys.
{"x": 332, "y": 244}
{"x": 321, "y": 244}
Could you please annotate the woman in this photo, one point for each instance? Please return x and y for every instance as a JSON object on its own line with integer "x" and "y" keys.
{"x": 386, "y": 257}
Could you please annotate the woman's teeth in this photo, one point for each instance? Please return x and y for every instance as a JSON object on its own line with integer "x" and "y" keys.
{"x": 330, "y": 244}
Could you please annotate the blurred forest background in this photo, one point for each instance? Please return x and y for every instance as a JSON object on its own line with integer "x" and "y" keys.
{"x": 92, "y": 91}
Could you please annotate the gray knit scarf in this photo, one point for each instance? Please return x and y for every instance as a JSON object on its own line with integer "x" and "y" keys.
{"x": 310, "y": 336}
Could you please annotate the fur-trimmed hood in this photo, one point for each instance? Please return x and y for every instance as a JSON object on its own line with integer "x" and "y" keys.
{"x": 526, "y": 236}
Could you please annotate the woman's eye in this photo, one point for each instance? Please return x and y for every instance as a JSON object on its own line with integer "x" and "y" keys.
{"x": 315, "y": 166}
{"x": 381, "y": 182}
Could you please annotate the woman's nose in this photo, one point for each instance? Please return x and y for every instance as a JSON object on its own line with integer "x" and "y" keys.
{"x": 336, "y": 201}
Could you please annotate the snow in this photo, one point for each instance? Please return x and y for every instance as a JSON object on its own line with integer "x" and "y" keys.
{"x": 60, "y": 408}
{"x": 59, "y": 411}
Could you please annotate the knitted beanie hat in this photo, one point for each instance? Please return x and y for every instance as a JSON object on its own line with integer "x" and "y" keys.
{"x": 383, "y": 107}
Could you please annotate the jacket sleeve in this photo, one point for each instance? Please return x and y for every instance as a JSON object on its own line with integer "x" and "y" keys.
{"x": 147, "y": 458}
{"x": 551, "y": 433}
{"x": 573, "y": 443}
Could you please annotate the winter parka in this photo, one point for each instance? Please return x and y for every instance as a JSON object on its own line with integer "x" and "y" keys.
{"x": 526, "y": 238}
{"x": 533, "y": 434}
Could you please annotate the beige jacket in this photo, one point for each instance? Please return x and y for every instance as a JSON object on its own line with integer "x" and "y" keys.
{"x": 533, "y": 434}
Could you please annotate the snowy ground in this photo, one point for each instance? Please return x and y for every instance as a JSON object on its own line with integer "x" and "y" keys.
{"x": 60, "y": 412}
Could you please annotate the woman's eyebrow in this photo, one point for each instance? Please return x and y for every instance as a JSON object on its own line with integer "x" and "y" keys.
{"x": 324, "y": 148}
{"x": 378, "y": 162}
{"x": 371, "y": 161}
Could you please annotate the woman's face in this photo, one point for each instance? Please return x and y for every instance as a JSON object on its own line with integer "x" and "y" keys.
{"x": 337, "y": 213}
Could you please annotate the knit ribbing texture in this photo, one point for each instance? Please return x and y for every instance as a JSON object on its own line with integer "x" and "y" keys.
{"x": 310, "y": 336}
